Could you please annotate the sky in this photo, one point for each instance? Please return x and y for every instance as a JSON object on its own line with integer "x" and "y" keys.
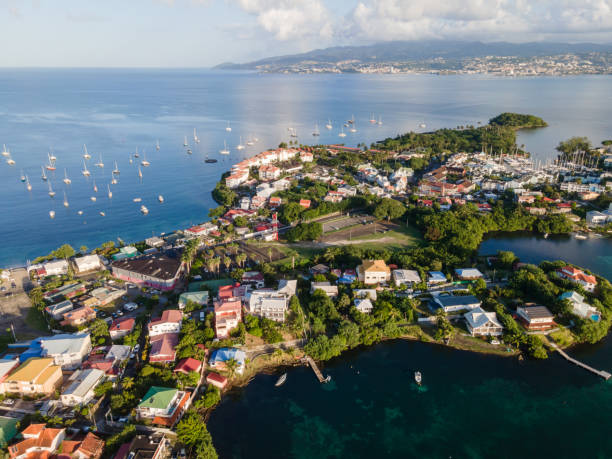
{"x": 203, "y": 33}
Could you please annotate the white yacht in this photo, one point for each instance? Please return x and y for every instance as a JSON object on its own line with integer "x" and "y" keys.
{"x": 23, "y": 177}
{"x": 328, "y": 126}
{"x": 116, "y": 170}
{"x": 144, "y": 161}
{"x": 66, "y": 180}
{"x": 80, "y": 212}
{"x": 5, "y": 152}
{"x": 102, "y": 214}
{"x": 28, "y": 184}
{"x": 353, "y": 128}
{"x": 10, "y": 161}
{"x": 228, "y": 128}
{"x": 160, "y": 198}
{"x": 137, "y": 199}
{"x": 52, "y": 157}
{"x": 93, "y": 199}
{"x": 422, "y": 125}
{"x": 44, "y": 175}
{"x": 86, "y": 172}
{"x": 110, "y": 193}
{"x": 144, "y": 210}
{"x": 379, "y": 121}
{"x": 225, "y": 151}
{"x": 195, "y": 136}
{"x": 52, "y": 214}
{"x": 240, "y": 146}
{"x": 51, "y": 165}
{"x": 100, "y": 163}
{"x": 418, "y": 377}
{"x": 86, "y": 155}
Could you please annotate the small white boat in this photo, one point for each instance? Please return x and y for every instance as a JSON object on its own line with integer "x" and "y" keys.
{"x": 113, "y": 181}
{"x": 329, "y": 125}
{"x": 80, "y": 212}
{"x": 52, "y": 157}
{"x": 225, "y": 151}
{"x": 100, "y": 163}
{"x": 85, "y": 171}
{"x": 195, "y": 136}
{"x": 580, "y": 236}
{"x": 228, "y": 128}
{"x": 93, "y": 199}
{"x": 250, "y": 142}
{"x": 342, "y": 133}
{"x": 86, "y": 155}
{"x": 102, "y": 214}
{"x": 23, "y": 177}
{"x": 51, "y": 165}
{"x": 66, "y": 180}
{"x": 28, "y": 184}
{"x": 189, "y": 151}
{"x": 379, "y": 121}
{"x": 157, "y": 145}
{"x": 240, "y": 146}
{"x": 52, "y": 214}
{"x": 160, "y": 198}
{"x": 144, "y": 210}
{"x": 137, "y": 199}
{"x": 110, "y": 193}
{"x": 43, "y": 176}
{"x": 352, "y": 120}
{"x": 131, "y": 160}
{"x": 417, "y": 377}
{"x": 95, "y": 187}
{"x": 281, "y": 380}
{"x": 144, "y": 161}
{"x": 5, "y": 152}
{"x": 353, "y": 128}
{"x": 185, "y": 142}
{"x": 422, "y": 125}
{"x": 10, "y": 161}
{"x": 116, "y": 170}
{"x": 65, "y": 200}
{"x": 51, "y": 192}
{"x": 545, "y": 235}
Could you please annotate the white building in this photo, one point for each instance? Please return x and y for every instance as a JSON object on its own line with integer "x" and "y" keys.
{"x": 88, "y": 263}
{"x": 330, "y": 290}
{"x": 55, "y": 268}
{"x": 481, "y": 323}
{"x": 373, "y": 272}
{"x": 364, "y": 305}
{"x": 268, "y": 304}
{"x": 407, "y": 277}
{"x": 66, "y": 350}
{"x": 595, "y": 217}
{"x": 580, "y": 307}
{"x": 170, "y": 322}
{"x": 81, "y": 389}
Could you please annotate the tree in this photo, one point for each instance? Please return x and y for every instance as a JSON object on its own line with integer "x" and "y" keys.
{"x": 83, "y": 249}
{"x": 231, "y": 365}
{"x": 227, "y": 262}
{"x": 192, "y": 432}
{"x": 37, "y": 297}
{"x": 290, "y": 212}
{"x": 65, "y": 251}
{"x": 389, "y": 209}
{"x": 99, "y": 332}
{"x": 506, "y": 259}
{"x": 241, "y": 258}
{"x": 573, "y": 145}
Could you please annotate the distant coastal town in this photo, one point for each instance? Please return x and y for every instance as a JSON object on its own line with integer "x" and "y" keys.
{"x": 125, "y": 349}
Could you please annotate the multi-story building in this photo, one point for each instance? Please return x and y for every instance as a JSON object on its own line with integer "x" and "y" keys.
{"x": 228, "y": 313}
{"x": 81, "y": 389}
{"x": 162, "y": 405}
{"x": 156, "y": 271}
{"x": 481, "y": 323}
{"x": 373, "y": 272}
{"x": 587, "y": 281}
{"x": 169, "y": 322}
{"x": 536, "y": 317}
{"x": 35, "y": 376}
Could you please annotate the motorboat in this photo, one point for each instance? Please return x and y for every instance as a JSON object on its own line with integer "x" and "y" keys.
{"x": 417, "y": 377}
{"x": 280, "y": 381}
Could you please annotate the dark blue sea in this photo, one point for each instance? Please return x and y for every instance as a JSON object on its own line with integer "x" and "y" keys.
{"x": 115, "y": 112}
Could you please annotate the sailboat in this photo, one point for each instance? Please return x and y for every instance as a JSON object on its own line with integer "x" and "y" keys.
{"x": 80, "y": 212}
{"x": 100, "y": 164}
{"x": 144, "y": 161}
{"x": 250, "y": 141}
{"x": 240, "y": 146}
{"x": 293, "y": 132}
{"x": 137, "y": 199}
{"x": 65, "y": 200}
{"x": 160, "y": 198}
{"x": 379, "y": 121}
{"x": 51, "y": 192}
{"x": 85, "y": 171}
{"x": 131, "y": 160}
{"x": 281, "y": 380}
{"x": 139, "y": 173}
{"x": 22, "y": 178}
{"x": 328, "y": 125}
{"x": 52, "y": 157}
{"x": 110, "y": 193}
{"x": 157, "y": 145}
{"x": 43, "y": 176}
{"x": 51, "y": 165}
{"x": 86, "y": 155}
{"x": 102, "y": 214}
{"x": 10, "y": 161}
{"x": 422, "y": 125}
{"x": 352, "y": 120}
{"x": 52, "y": 214}
{"x": 67, "y": 181}
{"x": 228, "y": 128}
{"x": 116, "y": 169}
{"x": 95, "y": 187}
{"x": 316, "y": 132}
{"x": 185, "y": 142}
{"x": 225, "y": 151}
{"x": 5, "y": 152}
{"x": 195, "y": 136}
{"x": 342, "y": 133}
{"x": 93, "y": 199}
{"x": 28, "y": 185}
{"x": 144, "y": 210}
{"x": 113, "y": 181}
{"x": 372, "y": 119}
{"x": 353, "y": 128}
{"x": 189, "y": 151}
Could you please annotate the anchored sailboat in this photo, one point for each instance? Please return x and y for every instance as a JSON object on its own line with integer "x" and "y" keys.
{"x": 86, "y": 155}
{"x": 228, "y": 128}
{"x": 28, "y": 185}
{"x": 85, "y": 171}
{"x": 5, "y": 152}
{"x": 23, "y": 177}
{"x": 240, "y": 146}
{"x": 110, "y": 193}
{"x": 51, "y": 192}
{"x": 65, "y": 200}
{"x": 342, "y": 133}
{"x": 225, "y": 151}
{"x": 195, "y": 136}
{"x": 160, "y": 198}
{"x": 116, "y": 169}
{"x": 185, "y": 142}
{"x": 51, "y": 165}
{"x": 139, "y": 173}
{"x": 144, "y": 161}
{"x": 66, "y": 180}
{"x": 100, "y": 163}
{"x": 328, "y": 126}
{"x": 316, "y": 132}
{"x": 157, "y": 145}
{"x": 52, "y": 214}
{"x": 43, "y": 176}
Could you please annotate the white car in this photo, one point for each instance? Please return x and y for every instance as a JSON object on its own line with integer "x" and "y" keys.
{"x": 130, "y": 306}
{"x": 9, "y": 401}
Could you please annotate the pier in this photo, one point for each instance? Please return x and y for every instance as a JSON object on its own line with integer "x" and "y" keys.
{"x": 316, "y": 370}
{"x": 604, "y": 374}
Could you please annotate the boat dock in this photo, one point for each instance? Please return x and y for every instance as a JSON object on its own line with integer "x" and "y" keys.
{"x": 316, "y": 370}
{"x": 604, "y": 374}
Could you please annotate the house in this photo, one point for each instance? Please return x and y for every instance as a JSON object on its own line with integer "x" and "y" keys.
{"x": 587, "y": 281}
{"x": 55, "y": 268}
{"x": 237, "y": 178}
{"x": 253, "y": 278}
{"x": 162, "y": 405}
{"x": 155, "y": 241}
{"x": 407, "y": 277}
{"x": 305, "y": 203}
{"x": 287, "y": 287}
{"x": 319, "y": 269}
{"x": 468, "y": 274}
{"x": 219, "y": 357}
{"x": 269, "y": 172}
{"x": 66, "y": 350}
{"x": 106, "y": 295}
{"x": 268, "y": 303}
{"x": 57, "y": 310}
{"x": 373, "y": 272}
{"x": 81, "y": 389}
{"x": 580, "y": 307}
{"x": 326, "y": 287}
{"x": 536, "y": 317}
{"x": 436, "y": 277}
{"x": 65, "y": 292}
{"x": 91, "y": 447}
{"x": 200, "y": 298}
{"x": 595, "y": 218}
{"x": 79, "y": 316}
{"x": 38, "y": 439}
{"x": 121, "y": 327}
{"x": 364, "y": 305}
{"x": 228, "y": 313}
{"x": 365, "y": 293}
{"x": 275, "y": 202}
{"x": 306, "y": 156}
{"x": 149, "y": 446}
{"x": 34, "y": 376}
{"x": 155, "y": 270}
{"x": 200, "y": 230}
{"x": 169, "y": 322}
{"x": 456, "y": 303}
{"x": 188, "y": 365}
{"x": 481, "y": 323}
{"x": 216, "y": 380}
{"x": 163, "y": 347}
{"x": 88, "y": 263}
{"x": 8, "y": 430}
{"x": 245, "y": 203}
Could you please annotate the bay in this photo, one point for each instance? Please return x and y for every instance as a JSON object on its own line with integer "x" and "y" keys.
{"x": 115, "y": 111}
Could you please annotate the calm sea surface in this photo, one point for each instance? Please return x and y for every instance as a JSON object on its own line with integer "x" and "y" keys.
{"x": 116, "y": 111}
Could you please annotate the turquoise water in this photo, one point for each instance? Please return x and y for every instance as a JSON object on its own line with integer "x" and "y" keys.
{"x": 116, "y": 111}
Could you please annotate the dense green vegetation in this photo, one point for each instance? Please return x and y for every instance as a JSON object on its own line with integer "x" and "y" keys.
{"x": 517, "y": 120}
{"x": 305, "y": 232}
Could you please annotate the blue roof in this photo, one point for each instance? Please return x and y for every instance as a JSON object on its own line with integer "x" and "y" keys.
{"x": 227, "y": 353}
{"x": 437, "y": 275}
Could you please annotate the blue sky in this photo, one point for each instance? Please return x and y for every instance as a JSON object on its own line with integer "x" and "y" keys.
{"x": 200, "y": 33}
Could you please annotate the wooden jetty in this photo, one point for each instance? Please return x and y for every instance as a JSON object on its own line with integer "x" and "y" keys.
{"x": 604, "y": 374}
{"x": 316, "y": 370}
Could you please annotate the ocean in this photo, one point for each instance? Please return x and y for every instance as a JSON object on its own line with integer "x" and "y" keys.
{"x": 116, "y": 111}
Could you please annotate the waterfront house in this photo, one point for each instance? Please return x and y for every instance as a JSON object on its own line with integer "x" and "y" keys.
{"x": 169, "y": 322}
{"x": 326, "y": 287}
{"x": 219, "y": 357}
{"x": 364, "y": 305}
{"x": 88, "y": 263}
{"x": 468, "y": 273}
{"x": 79, "y": 316}
{"x": 456, "y": 303}
{"x": 236, "y": 179}
{"x": 373, "y": 272}
{"x": 39, "y": 442}
{"x": 155, "y": 241}
{"x": 54, "y": 268}
{"x": 269, "y": 172}
{"x": 163, "y": 347}
{"x": 162, "y": 405}
{"x": 81, "y": 388}
{"x": 156, "y": 271}
{"x": 57, "y": 310}
{"x": 200, "y": 230}
{"x": 216, "y": 380}
{"x": 407, "y": 277}
{"x": 188, "y": 365}
{"x": 580, "y": 307}
{"x": 481, "y": 323}
{"x": 268, "y": 303}
{"x": 587, "y": 281}
{"x": 536, "y": 318}
{"x": 35, "y": 376}
{"x": 122, "y": 327}
{"x": 228, "y": 313}
{"x": 150, "y": 446}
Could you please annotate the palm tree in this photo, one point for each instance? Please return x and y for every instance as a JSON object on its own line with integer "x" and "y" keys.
{"x": 241, "y": 258}
{"x": 231, "y": 365}
{"x": 227, "y": 261}
{"x": 216, "y": 264}
{"x": 270, "y": 254}
{"x": 127, "y": 383}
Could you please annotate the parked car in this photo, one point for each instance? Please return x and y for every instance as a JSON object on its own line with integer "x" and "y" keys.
{"x": 9, "y": 402}
{"x": 137, "y": 347}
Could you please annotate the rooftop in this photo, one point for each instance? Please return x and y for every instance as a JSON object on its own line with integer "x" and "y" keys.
{"x": 158, "y": 397}
{"x": 156, "y": 265}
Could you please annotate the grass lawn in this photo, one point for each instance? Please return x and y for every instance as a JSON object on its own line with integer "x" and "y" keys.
{"x": 562, "y": 337}
{"x": 403, "y": 236}
{"x": 35, "y": 320}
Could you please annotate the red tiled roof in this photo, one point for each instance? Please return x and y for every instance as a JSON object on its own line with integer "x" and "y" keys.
{"x": 92, "y": 446}
{"x": 126, "y": 323}
{"x": 188, "y": 365}
{"x": 216, "y": 378}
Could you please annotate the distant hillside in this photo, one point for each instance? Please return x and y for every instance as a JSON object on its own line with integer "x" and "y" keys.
{"x": 417, "y": 51}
